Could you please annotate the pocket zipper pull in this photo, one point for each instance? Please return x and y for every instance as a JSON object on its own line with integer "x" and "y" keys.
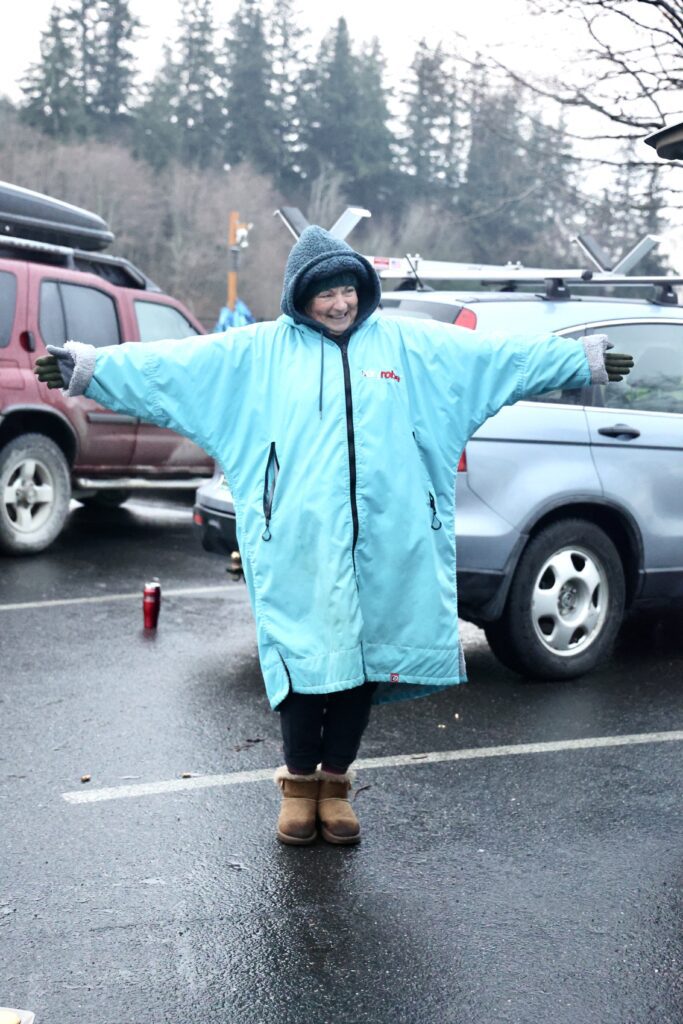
{"x": 435, "y": 518}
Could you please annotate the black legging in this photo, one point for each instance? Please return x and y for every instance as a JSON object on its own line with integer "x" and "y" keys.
{"x": 324, "y": 728}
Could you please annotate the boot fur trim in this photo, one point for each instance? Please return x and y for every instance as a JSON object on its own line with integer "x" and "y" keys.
{"x": 283, "y": 773}
{"x": 348, "y": 776}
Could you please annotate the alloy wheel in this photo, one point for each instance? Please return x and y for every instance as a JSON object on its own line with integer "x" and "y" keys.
{"x": 28, "y": 495}
{"x": 570, "y": 601}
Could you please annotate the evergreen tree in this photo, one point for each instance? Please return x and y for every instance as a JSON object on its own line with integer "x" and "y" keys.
{"x": 253, "y": 126}
{"x": 377, "y": 171}
{"x": 116, "y": 29}
{"x": 332, "y": 106}
{"x": 157, "y": 133}
{"x": 82, "y": 18}
{"x": 494, "y": 184}
{"x": 519, "y": 182}
{"x": 288, "y": 43}
{"x": 183, "y": 113}
{"x": 52, "y": 101}
{"x": 199, "y": 102}
{"x": 428, "y": 138}
{"x": 546, "y": 164}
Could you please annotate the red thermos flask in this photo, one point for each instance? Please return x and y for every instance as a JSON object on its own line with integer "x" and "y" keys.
{"x": 151, "y": 603}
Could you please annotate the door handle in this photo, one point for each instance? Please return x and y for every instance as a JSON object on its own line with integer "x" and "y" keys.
{"x": 622, "y": 431}
{"x": 28, "y": 341}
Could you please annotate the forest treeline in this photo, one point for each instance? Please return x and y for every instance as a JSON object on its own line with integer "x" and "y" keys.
{"x": 452, "y": 164}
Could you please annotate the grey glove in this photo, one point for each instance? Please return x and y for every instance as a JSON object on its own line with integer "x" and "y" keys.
{"x": 70, "y": 368}
{"x": 55, "y": 370}
{"x": 605, "y": 366}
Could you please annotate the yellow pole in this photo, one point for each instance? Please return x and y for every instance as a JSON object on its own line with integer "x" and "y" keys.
{"x": 232, "y": 273}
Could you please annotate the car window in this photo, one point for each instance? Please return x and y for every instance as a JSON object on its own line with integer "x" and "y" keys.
{"x": 90, "y": 315}
{"x": 8, "y": 302}
{"x": 51, "y": 322}
{"x": 655, "y": 384}
{"x": 157, "y": 322}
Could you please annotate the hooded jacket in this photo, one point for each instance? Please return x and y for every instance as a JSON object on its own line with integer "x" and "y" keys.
{"x": 341, "y": 455}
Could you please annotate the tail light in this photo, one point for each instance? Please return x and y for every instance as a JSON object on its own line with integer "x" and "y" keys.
{"x": 462, "y": 465}
{"x": 466, "y": 318}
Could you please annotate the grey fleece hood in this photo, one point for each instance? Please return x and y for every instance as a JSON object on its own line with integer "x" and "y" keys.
{"x": 318, "y": 254}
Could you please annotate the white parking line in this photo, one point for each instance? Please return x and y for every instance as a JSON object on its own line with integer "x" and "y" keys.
{"x": 395, "y": 761}
{"x": 103, "y": 598}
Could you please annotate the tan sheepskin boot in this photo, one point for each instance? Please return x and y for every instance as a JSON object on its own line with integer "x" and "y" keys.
{"x": 296, "y": 824}
{"x": 338, "y": 822}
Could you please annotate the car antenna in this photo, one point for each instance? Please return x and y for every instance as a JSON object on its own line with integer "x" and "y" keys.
{"x": 413, "y": 266}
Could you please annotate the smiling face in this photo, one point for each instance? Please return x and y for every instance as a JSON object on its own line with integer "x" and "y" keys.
{"x": 335, "y": 308}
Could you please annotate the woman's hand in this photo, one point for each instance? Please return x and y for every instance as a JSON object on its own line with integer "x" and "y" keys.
{"x": 47, "y": 371}
{"x": 617, "y": 365}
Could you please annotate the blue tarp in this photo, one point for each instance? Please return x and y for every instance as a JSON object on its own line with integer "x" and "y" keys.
{"x": 238, "y": 317}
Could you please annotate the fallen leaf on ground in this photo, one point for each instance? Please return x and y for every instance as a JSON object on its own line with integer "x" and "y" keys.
{"x": 248, "y": 744}
{"x": 360, "y": 790}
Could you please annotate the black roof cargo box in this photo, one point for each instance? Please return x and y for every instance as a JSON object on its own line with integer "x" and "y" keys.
{"x": 26, "y": 214}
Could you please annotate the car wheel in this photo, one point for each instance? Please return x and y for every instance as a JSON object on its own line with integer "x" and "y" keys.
{"x": 106, "y": 499}
{"x": 565, "y": 604}
{"x": 498, "y": 640}
{"x": 35, "y": 489}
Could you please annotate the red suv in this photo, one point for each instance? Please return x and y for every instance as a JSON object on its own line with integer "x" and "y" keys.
{"x": 53, "y": 448}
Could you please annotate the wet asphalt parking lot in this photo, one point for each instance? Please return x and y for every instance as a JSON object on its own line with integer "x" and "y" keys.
{"x": 513, "y": 875}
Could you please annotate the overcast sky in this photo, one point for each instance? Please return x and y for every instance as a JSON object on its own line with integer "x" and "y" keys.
{"x": 504, "y": 24}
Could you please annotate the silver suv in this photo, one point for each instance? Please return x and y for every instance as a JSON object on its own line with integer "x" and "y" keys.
{"x": 570, "y": 507}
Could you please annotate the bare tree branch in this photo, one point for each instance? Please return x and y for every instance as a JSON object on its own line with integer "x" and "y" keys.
{"x": 647, "y": 65}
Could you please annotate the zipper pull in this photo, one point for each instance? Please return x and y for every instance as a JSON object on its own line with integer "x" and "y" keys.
{"x": 269, "y": 489}
{"x": 435, "y": 518}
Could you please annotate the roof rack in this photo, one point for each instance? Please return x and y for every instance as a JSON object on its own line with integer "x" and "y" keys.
{"x": 413, "y": 271}
{"x": 114, "y": 269}
{"x": 556, "y": 281}
{"x": 444, "y": 270}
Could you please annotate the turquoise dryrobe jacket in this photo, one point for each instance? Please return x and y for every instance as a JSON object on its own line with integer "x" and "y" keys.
{"x": 342, "y": 462}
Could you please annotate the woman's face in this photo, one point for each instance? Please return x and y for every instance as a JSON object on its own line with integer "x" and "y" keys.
{"x": 335, "y": 308}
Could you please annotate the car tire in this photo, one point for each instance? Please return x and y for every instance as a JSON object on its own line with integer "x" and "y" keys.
{"x": 497, "y": 636}
{"x": 106, "y": 499}
{"x": 35, "y": 489}
{"x": 565, "y": 604}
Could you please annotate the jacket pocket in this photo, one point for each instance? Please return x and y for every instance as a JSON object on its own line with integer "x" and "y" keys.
{"x": 431, "y": 499}
{"x": 269, "y": 482}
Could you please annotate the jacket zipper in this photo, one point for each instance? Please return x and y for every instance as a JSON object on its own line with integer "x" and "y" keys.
{"x": 269, "y": 481}
{"x": 343, "y": 345}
